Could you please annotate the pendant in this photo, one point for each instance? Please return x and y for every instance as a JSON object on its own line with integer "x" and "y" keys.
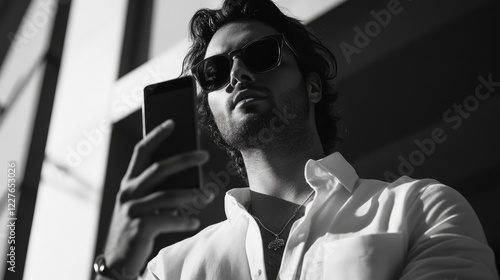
{"x": 276, "y": 244}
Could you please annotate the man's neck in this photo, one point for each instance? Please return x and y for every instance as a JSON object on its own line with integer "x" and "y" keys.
{"x": 279, "y": 172}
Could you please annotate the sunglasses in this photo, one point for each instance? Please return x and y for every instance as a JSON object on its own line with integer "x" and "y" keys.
{"x": 260, "y": 55}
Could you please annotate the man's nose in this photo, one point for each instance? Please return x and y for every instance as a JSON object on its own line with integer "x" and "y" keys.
{"x": 240, "y": 72}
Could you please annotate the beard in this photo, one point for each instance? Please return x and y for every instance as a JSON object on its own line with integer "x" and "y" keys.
{"x": 286, "y": 122}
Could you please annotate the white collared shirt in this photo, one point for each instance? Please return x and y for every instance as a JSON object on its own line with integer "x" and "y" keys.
{"x": 352, "y": 229}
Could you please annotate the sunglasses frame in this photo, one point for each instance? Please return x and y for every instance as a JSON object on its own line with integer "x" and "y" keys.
{"x": 279, "y": 38}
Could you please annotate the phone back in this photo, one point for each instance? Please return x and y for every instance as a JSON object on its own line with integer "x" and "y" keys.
{"x": 176, "y": 100}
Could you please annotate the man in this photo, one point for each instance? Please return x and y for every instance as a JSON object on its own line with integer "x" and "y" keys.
{"x": 306, "y": 213}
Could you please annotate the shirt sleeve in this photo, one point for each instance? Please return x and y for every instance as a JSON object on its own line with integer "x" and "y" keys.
{"x": 446, "y": 239}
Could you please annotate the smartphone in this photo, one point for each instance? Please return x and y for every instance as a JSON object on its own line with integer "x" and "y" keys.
{"x": 174, "y": 99}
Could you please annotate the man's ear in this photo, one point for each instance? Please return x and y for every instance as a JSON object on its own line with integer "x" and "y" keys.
{"x": 314, "y": 87}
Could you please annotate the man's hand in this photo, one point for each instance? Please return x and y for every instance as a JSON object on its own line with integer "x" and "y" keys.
{"x": 140, "y": 214}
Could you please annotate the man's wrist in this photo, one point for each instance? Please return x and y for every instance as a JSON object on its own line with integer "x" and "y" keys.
{"x": 112, "y": 271}
{"x": 101, "y": 268}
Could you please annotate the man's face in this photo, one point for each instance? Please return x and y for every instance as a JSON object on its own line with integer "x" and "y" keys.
{"x": 280, "y": 89}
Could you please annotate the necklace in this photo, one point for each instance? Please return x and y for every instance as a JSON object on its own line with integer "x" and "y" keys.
{"x": 279, "y": 242}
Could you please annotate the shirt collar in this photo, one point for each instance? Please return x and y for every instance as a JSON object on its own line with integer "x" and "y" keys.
{"x": 333, "y": 166}
{"x": 235, "y": 203}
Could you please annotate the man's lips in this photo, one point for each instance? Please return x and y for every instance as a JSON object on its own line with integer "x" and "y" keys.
{"x": 246, "y": 94}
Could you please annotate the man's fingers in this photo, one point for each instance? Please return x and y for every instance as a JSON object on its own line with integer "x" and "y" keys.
{"x": 158, "y": 171}
{"x": 169, "y": 202}
{"x": 166, "y": 223}
{"x": 170, "y": 211}
{"x": 146, "y": 147}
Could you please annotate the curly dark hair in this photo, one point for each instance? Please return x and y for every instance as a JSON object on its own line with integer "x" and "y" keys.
{"x": 314, "y": 56}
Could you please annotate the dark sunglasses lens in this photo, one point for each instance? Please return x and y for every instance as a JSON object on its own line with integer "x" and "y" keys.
{"x": 213, "y": 72}
{"x": 262, "y": 55}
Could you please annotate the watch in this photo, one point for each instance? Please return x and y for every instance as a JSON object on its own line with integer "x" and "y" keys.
{"x": 101, "y": 268}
